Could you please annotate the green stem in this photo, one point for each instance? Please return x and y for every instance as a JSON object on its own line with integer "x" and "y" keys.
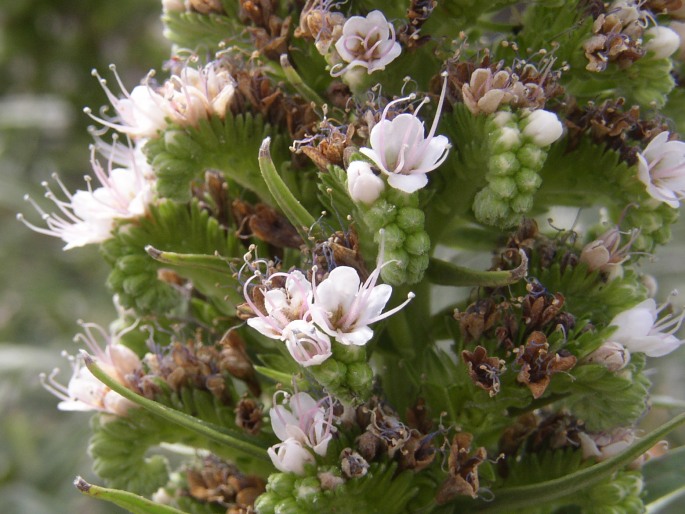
{"x": 210, "y": 431}
{"x": 129, "y": 501}
{"x": 286, "y": 201}
{"x": 447, "y": 274}
{"x": 660, "y": 505}
{"x": 510, "y": 499}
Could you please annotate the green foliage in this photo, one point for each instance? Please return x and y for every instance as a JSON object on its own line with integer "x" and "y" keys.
{"x": 182, "y": 155}
{"x": 605, "y": 399}
{"x": 175, "y": 227}
{"x": 380, "y": 491}
{"x": 203, "y": 32}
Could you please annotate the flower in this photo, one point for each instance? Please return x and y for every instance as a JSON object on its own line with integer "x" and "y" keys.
{"x": 84, "y": 392}
{"x": 306, "y": 344}
{"x": 612, "y": 355}
{"x": 185, "y": 98}
{"x": 282, "y": 305}
{"x": 344, "y": 308}
{"x": 368, "y": 42}
{"x": 662, "y": 42}
{"x": 400, "y": 150}
{"x": 606, "y": 253}
{"x": 306, "y": 425}
{"x": 661, "y": 167}
{"x": 639, "y": 331}
{"x": 89, "y": 216}
{"x": 363, "y": 185}
{"x": 542, "y": 127}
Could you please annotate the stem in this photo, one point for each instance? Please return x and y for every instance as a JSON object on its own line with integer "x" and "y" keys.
{"x": 296, "y": 81}
{"x": 210, "y": 431}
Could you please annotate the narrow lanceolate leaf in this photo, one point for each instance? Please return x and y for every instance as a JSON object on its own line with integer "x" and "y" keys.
{"x": 447, "y": 274}
{"x": 215, "y": 433}
{"x": 129, "y": 501}
{"x": 291, "y": 207}
{"x": 507, "y": 500}
{"x": 296, "y": 81}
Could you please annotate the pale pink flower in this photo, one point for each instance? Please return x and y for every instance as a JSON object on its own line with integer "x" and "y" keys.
{"x": 661, "y": 167}
{"x": 605, "y": 445}
{"x": 401, "y": 151}
{"x": 640, "y": 330}
{"x": 367, "y": 42}
{"x": 282, "y": 305}
{"x": 84, "y": 392}
{"x": 185, "y": 98}
{"x": 290, "y": 456}
{"x": 89, "y": 216}
{"x": 305, "y": 426}
{"x": 606, "y": 253}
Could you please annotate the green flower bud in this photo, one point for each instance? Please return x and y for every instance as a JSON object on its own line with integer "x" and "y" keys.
{"x": 402, "y": 199}
{"x": 287, "y": 506}
{"x": 349, "y": 353}
{"x": 522, "y": 203}
{"x": 417, "y": 243}
{"x": 395, "y": 273}
{"x": 281, "y": 484}
{"x": 380, "y": 214}
{"x": 410, "y": 219}
{"x": 359, "y": 378}
{"x": 505, "y": 139}
{"x": 531, "y": 156}
{"x": 503, "y": 164}
{"x": 330, "y": 373}
{"x": 503, "y": 187}
{"x": 490, "y": 209}
{"x": 527, "y": 180}
{"x": 266, "y": 503}
{"x": 417, "y": 265}
{"x": 307, "y": 489}
{"x": 394, "y": 236}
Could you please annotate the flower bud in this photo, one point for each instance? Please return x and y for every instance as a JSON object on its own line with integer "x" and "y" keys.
{"x": 613, "y": 356}
{"x": 362, "y": 184}
{"x": 662, "y": 42}
{"x": 542, "y": 127}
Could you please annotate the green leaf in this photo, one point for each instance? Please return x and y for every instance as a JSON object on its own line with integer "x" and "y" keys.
{"x": 201, "y": 32}
{"x": 285, "y": 200}
{"x": 664, "y": 477}
{"x": 134, "y": 275}
{"x": 447, "y": 274}
{"x": 129, "y": 501}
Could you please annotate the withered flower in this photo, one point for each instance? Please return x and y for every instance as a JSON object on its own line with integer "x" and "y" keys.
{"x": 265, "y": 223}
{"x": 248, "y": 415}
{"x": 463, "y": 469}
{"x": 479, "y": 317}
{"x": 352, "y": 464}
{"x": 483, "y": 370}
{"x": 216, "y": 481}
{"x": 538, "y": 365}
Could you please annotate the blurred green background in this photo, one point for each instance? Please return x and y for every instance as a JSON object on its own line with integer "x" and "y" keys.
{"x": 47, "y": 50}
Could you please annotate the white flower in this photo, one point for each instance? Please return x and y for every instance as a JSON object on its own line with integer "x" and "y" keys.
{"x": 344, "y": 307}
{"x": 367, "y": 42}
{"x": 662, "y": 42}
{"x": 185, "y": 98}
{"x": 606, "y": 253}
{"x": 306, "y": 344}
{"x": 400, "y": 150}
{"x": 84, "y": 392}
{"x": 640, "y": 332}
{"x": 306, "y": 425}
{"x": 282, "y": 305}
{"x": 363, "y": 185}
{"x": 542, "y": 127}
{"x": 89, "y": 216}
{"x": 661, "y": 167}
{"x": 605, "y": 445}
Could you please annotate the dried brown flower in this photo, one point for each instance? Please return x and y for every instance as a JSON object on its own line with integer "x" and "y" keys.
{"x": 463, "y": 469}
{"x": 538, "y": 365}
{"x": 483, "y": 370}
